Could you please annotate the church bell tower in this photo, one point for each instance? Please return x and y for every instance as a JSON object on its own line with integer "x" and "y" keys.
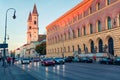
{"x": 32, "y": 26}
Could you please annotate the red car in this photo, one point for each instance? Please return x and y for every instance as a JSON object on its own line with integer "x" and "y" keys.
{"x": 47, "y": 62}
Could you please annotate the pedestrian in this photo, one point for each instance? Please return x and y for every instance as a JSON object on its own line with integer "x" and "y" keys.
{"x": 9, "y": 61}
{"x": 94, "y": 58}
{"x": 13, "y": 60}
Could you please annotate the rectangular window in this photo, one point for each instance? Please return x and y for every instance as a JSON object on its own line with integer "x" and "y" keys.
{"x": 68, "y": 49}
{"x": 84, "y": 31}
{"x": 108, "y": 2}
{"x": 78, "y": 32}
{"x": 99, "y": 26}
{"x": 69, "y": 35}
{"x": 91, "y": 29}
{"x": 119, "y": 19}
{"x": 73, "y": 48}
{"x": 90, "y": 10}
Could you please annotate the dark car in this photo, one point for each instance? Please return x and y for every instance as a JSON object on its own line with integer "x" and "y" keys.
{"x": 59, "y": 60}
{"x": 86, "y": 60}
{"x": 75, "y": 59}
{"x": 117, "y": 61}
{"x": 47, "y": 62}
{"x": 106, "y": 61}
{"x": 68, "y": 59}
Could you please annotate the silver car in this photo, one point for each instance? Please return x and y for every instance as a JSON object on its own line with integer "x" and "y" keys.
{"x": 25, "y": 61}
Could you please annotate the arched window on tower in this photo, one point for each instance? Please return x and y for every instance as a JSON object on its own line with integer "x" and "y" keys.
{"x": 29, "y": 27}
{"x": 35, "y": 22}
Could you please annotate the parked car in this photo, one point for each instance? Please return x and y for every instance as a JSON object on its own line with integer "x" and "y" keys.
{"x": 117, "y": 61}
{"x": 25, "y": 60}
{"x": 75, "y": 59}
{"x": 36, "y": 59}
{"x": 86, "y": 60}
{"x": 59, "y": 60}
{"x": 106, "y": 61}
{"x": 68, "y": 59}
{"x": 47, "y": 62}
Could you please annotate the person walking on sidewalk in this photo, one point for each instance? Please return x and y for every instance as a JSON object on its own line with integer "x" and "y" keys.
{"x": 13, "y": 60}
{"x": 9, "y": 61}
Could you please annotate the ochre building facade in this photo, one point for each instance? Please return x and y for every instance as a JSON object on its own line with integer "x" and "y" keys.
{"x": 91, "y": 26}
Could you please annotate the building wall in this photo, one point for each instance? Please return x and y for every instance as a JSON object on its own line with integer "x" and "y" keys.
{"x": 63, "y": 32}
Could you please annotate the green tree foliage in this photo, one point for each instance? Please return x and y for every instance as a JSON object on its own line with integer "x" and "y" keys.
{"x": 41, "y": 48}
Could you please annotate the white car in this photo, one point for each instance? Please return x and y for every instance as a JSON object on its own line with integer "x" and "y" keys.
{"x": 25, "y": 61}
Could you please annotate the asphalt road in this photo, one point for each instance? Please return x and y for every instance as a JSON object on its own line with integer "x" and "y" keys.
{"x": 73, "y": 71}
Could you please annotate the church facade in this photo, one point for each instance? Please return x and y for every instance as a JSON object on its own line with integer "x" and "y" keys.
{"x": 91, "y": 26}
{"x": 33, "y": 36}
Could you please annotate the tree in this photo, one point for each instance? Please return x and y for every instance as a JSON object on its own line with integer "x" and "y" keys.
{"x": 41, "y": 49}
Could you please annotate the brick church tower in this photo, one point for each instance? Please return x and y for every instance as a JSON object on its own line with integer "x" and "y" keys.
{"x": 32, "y": 26}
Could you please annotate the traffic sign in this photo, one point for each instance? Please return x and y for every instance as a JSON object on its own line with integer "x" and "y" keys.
{"x": 3, "y": 45}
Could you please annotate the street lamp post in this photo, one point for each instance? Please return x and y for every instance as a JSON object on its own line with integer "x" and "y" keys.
{"x": 4, "y": 51}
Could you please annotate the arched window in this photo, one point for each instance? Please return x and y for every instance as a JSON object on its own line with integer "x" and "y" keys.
{"x": 99, "y": 26}
{"x": 29, "y": 27}
{"x": 78, "y": 32}
{"x": 109, "y": 23}
{"x": 68, "y": 49}
{"x": 91, "y": 29}
{"x": 92, "y": 47}
{"x": 73, "y": 48}
{"x": 58, "y": 49}
{"x": 64, "y": 49}
{"x": 61, "y": 49}
{"x": 100, "y": 45}
{"x": 35, "y": 22}
{"x": 111, "y": 46}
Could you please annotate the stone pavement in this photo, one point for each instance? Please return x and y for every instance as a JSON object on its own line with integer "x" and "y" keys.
{"x": 12, "y": 72}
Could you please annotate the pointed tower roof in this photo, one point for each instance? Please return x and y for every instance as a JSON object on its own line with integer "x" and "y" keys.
{"x": 35, "y": 10}
{"x": 30, "y": 17}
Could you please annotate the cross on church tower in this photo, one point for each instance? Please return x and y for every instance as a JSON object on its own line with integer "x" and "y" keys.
{"x": 32, "y": 26}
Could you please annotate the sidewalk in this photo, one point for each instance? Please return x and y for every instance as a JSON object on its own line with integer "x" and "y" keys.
{"x": 14, "y": 73}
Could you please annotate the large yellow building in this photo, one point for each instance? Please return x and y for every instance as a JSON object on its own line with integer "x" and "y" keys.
{"x": 91, "y": 26}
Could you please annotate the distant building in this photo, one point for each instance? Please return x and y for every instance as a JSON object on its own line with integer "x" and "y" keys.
{"x": 92, "y": 25}
{"x": 33, "y": 36}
